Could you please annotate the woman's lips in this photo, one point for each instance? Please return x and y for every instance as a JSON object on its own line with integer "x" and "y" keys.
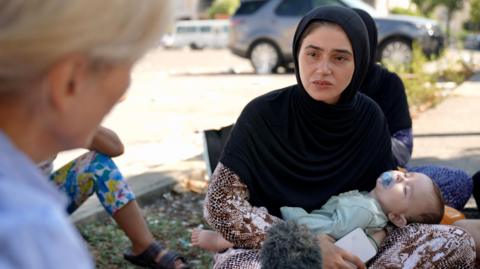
{"x": 322, "y": 83}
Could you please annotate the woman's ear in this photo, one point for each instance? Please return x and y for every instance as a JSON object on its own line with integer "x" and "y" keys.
{"x": 398, "y": 220}
{"x": 65, "y": 79}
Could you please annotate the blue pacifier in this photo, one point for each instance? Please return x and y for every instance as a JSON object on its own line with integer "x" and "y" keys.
{"x": 386, "y": 179}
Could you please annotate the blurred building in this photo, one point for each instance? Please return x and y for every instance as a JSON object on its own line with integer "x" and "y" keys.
{"x": 190, "y": 9}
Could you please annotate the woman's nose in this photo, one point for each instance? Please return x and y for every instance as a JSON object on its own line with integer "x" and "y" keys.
{"x": 324, "y": 67}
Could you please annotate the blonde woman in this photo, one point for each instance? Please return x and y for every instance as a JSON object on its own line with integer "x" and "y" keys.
{"x": 58, "y": 58}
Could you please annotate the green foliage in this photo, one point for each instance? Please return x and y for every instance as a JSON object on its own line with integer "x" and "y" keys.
{"x": 405, "y": 11}
{"x": 419, "y": 85}
{"x": 451, "y": 5}
{"x": 425, "y": 7}
{"x": 456, "y": 72}
{"x": 223, "y": 7}
{"x": 475, "y": 11}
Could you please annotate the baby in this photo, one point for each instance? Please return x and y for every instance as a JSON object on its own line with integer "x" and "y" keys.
{"x": 398, "y": 197}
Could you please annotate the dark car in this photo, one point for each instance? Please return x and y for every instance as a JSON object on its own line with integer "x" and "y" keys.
{"x": 472, "y": 42}
{"x": 262, "y": 31}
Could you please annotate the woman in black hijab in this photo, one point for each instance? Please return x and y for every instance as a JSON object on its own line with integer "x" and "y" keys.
{"x": 300, "y": 145}
{"x": 387, "y": 90}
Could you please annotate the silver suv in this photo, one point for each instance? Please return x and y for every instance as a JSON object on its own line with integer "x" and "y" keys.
{"x": 263, "y": 32}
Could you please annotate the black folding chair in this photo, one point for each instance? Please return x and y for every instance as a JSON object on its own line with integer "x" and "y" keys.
{"x": 213, "y": 142}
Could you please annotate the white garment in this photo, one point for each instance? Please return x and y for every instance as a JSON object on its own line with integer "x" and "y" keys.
{"x": 35, "y": 231}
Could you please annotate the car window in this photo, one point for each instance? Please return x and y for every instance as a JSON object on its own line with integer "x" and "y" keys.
{"x": 293, "y": 8}
{"x": 186, "y": 29}
{"x": 249, "y": 7}
{"x": 205, "y": 29}
{"x": 317, "y": 3}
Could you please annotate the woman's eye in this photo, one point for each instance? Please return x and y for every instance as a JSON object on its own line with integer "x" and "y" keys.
{"x": 340, "y": 58}
{"x": 311, "y": 54}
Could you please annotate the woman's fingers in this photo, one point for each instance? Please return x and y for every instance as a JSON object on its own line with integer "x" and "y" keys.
{"x": 352, "y": 259}
{"x": 335, "y": 257}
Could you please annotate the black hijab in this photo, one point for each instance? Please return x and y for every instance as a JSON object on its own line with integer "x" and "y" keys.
{"x": 383, "y": 86}
{"x": 291, "y": 150}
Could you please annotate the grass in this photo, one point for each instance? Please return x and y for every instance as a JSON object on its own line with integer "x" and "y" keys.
{"x": 171, "y": 220}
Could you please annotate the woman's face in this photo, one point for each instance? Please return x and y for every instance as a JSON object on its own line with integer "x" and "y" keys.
{"x": 326, "y": 63}
{"x": 100, "y": 90}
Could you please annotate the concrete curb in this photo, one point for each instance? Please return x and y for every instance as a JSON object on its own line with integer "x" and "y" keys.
{"x": 148, "y": 187}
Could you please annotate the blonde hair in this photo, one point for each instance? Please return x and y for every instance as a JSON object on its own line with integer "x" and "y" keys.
{"x": 34, "y": 34}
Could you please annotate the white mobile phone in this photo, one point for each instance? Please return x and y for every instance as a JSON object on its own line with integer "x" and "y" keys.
{"x": 357, "y": 243}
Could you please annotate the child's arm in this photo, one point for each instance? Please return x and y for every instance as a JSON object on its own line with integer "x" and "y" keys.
{"x": 292, "y": 213}
{"x": 107, "y": 142}
{"x": 379, "y": 236}
{"x": 319, "y": 221}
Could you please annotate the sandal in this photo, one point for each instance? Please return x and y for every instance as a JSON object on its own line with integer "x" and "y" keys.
{"x": 148, "y": 256}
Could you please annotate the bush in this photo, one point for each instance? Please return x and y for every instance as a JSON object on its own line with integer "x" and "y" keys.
{"x": 420, "y": 86}
{"x": 405, "y": 11}
{"x": 223, "y": 7}
{"x": 456, "y": 72}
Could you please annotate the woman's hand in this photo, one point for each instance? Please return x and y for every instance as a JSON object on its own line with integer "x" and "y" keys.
{"x": 107, "y": 142}
{"x": 335, "y": 257}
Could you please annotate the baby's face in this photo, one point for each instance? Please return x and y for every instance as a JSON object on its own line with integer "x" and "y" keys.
{"x": 403, "y": 193}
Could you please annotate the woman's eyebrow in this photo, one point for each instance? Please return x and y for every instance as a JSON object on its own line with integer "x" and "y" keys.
{"x": 313, "y": 47}
{"x": 345, "y": 51}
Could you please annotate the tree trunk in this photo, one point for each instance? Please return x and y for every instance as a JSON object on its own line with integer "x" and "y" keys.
{"x": 449, "y": 18}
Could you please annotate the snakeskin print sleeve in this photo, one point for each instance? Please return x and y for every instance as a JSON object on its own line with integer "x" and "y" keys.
{"x": 228, "y": 211}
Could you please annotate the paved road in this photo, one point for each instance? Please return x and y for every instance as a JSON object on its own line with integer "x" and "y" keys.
{"x": 177, "y": 93}
{"x": 174, "y": 95}
{"x": 449, "y": 134}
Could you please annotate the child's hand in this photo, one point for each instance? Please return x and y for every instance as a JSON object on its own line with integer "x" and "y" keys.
{"x": 107, "y": 142}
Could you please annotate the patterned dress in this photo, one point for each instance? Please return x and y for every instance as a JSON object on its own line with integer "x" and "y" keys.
{"x": 92, "y": 173}
{"x": 228, "y": 211}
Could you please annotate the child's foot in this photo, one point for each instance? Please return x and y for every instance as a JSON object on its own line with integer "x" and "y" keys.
{"x": 209, "y": 240}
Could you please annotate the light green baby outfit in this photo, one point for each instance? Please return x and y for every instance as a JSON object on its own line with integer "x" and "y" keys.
{"x": 340, "y": 215}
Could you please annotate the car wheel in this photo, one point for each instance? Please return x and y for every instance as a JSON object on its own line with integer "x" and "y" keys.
{"x": 396, "y": 52}
{"x": 195, "y": 46}
{"x": 264, "y": 57}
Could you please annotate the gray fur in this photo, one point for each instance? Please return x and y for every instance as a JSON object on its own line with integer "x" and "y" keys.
{"x": 290, "y": 246}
